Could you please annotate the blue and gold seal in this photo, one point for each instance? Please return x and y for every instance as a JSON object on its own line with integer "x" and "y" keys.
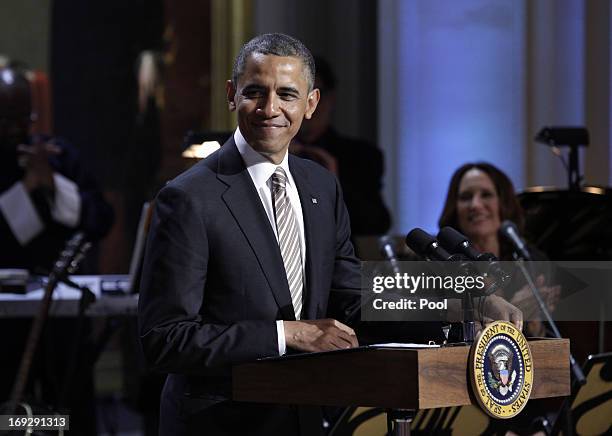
{"x": 501, "y": 370}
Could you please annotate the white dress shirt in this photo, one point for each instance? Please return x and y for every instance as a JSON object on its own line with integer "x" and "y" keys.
{"x": 22, "y": 217}
{"x": 261, "y": 169}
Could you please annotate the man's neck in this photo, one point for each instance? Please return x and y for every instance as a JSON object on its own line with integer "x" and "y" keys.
{"x": 256, "y": 156}
{"x": 275, "y": 158}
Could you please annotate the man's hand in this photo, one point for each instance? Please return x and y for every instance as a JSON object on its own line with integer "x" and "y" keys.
{"x": 498, "y": 309}
{"x": 35, "y": 160}
{"x": 319, "y": 335}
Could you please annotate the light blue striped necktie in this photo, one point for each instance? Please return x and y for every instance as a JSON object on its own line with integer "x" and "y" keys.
{"x": 288, "y": 238}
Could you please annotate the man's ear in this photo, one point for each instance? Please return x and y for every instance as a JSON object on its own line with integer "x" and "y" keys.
{"x": 231, "y": 93}
{"x": 312, "y": 102}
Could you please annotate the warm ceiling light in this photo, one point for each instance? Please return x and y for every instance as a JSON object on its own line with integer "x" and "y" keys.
{"x": 201, "y": 151}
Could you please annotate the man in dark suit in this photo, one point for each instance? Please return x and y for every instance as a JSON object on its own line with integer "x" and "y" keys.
{"x": 242, "y": 252}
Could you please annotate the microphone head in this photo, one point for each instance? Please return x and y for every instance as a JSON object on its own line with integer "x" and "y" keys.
{"x": 384, "y": 241}
{"x": 509, "y": 231}
{"x": 419, "y": 241}
{"x": 451, "y": 239}
{"x": 508, "y": 226}
{"x": 386, "y": 247}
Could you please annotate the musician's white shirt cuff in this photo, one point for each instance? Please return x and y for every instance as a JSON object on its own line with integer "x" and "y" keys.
{"x": 66, "y": 207}
{"x": 20, "y": 213}
{"x": 280, "y": 330}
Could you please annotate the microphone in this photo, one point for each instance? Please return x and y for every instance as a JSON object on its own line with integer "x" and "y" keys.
{"x": 510, "y": 232}
{"x": 386, "y": 248}
{"x": 426, "y": 245}
{"x": 456, "y": 242}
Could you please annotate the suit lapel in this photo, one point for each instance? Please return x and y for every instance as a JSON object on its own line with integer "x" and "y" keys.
{"x": 243, "y": 201}
{"x": 310, "y": 213}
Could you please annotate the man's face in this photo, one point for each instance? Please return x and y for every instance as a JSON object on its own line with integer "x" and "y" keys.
{"x": 271, "y": 98}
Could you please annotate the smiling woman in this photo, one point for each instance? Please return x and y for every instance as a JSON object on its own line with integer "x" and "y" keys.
{"x": 480, "y": 197}
{"x": 478, "y": 206}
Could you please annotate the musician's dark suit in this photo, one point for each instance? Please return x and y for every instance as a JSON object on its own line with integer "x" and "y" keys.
{"x": 214, "y": 284}
{"x": 96, "y": 216}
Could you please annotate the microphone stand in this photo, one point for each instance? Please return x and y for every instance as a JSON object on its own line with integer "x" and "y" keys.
{"x": 578, "y": 375}
{"x": 468, "y": 323}
{"x": 576, "y": 370}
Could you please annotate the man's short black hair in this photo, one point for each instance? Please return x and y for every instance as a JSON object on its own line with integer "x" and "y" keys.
{"x": 277, "y": 44}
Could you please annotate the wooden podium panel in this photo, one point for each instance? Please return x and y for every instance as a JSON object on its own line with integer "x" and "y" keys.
{"x": 395, "y": 378}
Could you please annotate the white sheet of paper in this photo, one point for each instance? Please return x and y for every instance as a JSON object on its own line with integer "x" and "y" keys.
{"x": 402, "y": 345}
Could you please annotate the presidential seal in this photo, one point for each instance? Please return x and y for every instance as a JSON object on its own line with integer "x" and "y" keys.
{"x": 501, "y": 370}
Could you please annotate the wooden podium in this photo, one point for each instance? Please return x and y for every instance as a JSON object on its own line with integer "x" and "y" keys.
{"x": 392, "y": 378}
